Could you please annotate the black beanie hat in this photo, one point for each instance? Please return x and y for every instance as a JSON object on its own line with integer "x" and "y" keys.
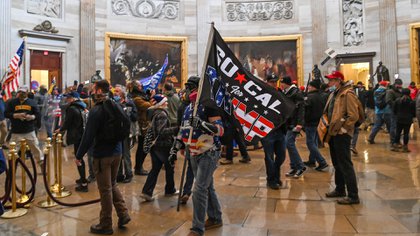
{"x": 315, "y": 83}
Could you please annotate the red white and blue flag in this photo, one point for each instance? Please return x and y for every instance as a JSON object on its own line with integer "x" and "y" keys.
{"x": 249, "y": 103}
{"x": 12, "y": 80}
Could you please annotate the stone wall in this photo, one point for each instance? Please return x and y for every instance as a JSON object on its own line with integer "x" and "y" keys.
{"x": 67, "y": 24}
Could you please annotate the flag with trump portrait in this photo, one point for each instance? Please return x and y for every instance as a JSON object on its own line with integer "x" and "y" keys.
{"x": 249, "y": 102}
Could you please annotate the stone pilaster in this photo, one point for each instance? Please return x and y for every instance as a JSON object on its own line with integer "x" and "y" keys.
{"x": 5, "y": 35}
{"x": 87, "y": 39}
{"x": 319, "y": 30}
{"x": 388, "y": 35}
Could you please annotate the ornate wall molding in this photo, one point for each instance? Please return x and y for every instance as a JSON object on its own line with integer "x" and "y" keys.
{"x": 49, "y": 8}
{"x": 353, "y": 28}
{"x": 259, "y": 10}
{"x": 153, "y": 9}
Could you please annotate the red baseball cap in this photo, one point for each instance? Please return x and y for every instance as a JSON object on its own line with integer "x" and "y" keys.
{"x": 335, "y": 75}
{"x": 384, "y": 83}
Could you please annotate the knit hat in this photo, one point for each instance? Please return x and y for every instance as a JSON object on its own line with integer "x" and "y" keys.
{"x": 315, "y": 83}
{"x": 335, "y": 75}
{"x": 383, "y": 83}
{"x": 72, "y": 94}
{"x": 272, "y": 78}
{"x": 23, "y": 88}
{"x": 159, "y": 99}
{"x": 286, "y": 80}
{"x": 398, "y": 81}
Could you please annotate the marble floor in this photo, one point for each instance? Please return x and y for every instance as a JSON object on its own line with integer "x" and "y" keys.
{"x": 389, "y": 185}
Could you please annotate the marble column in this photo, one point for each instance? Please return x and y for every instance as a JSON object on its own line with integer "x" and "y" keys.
{"x": 319, "y": 30}
{"x": 203, "y": 28}
{"x": 5, "y": 35}
{"x": 87, "y": 39}
{"x": 388, "y": 35}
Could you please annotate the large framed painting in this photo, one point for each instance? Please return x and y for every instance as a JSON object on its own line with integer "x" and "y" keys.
{"x": 265, "y": 55}
{"x": 137, "y": 57}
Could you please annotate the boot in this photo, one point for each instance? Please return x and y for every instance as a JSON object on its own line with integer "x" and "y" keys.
{"x": 405, "y": 149}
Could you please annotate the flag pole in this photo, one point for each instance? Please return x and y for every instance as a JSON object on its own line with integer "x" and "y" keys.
{"x": 24, "y": 62}
{"x": 200, "y": 87}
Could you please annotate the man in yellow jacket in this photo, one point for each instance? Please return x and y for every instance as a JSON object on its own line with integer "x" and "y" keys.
{"x": 342, "y": 112}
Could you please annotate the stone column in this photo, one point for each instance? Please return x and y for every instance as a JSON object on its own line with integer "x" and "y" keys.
{"x": 319, "y": 30}
{"x": 203, "y": 27}
{"x": 87, "y": 39}
{"x": 388, "y": 36}
{"x": 5, "y": 35}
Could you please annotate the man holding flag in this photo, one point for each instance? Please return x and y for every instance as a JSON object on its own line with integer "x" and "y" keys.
{"x": 257, "y": 108}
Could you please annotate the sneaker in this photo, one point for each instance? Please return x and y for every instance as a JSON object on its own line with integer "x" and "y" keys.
{"x": 212, "y": 224}
{"x": 370, "y": 141}
{"x": 175, "y": 193}
{"x": 141, "y": 172}
{"x": 299, "y": 173}
{"x": 91, "y": 179}
{"x": 334, "y": 194}
{"x": 348, "y": 201}
{"x": 354, "y": 150}
{"x": 78, "y": 181}
{"x": 98, "y": 229}
{"x": 128, "y": 179}
{"x": 394, "y": 149}
{"x": 322, "y": 167}
{"x": 405, "y": 149}
{"x": 309, "y": 164}
{"x": 225, "y": 161}
{"x": 120, "y": 178}
{"x": 123, "y": 221}
{"x": 147, "y": 197}
{"x": 184, "y": 198}
{"x": 291, "y": 173}
{"x": 82, "y": 188}
{"x": 245, "y": 160}
{"x": 274, "y": 186}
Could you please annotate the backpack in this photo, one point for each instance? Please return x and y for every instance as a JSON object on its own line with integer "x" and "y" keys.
{"x": 380, "y": 101}
{"x": 117, "y": 127}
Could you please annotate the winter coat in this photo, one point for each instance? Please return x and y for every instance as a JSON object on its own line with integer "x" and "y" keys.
{"x": 314, "y": 106}
{"x": 173, "y": 106}
{"x": 391, "y": 96}
{"x": 28, "y": 107}
{"x": 73, "y": 122}
{"x": 385, "y": 110}
{"x": 298, "y": 117}
{"x": 345, "y": 112}
{"x": 162, "y": 127}
{"x": 142, "y": 105}
{"x": 405, "y": 110}
{"x": 370, "y": 100}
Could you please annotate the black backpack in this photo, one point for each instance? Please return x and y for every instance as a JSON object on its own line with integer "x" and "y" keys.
{"x": 117, "y": 126}
{"x": 380, "y": 101}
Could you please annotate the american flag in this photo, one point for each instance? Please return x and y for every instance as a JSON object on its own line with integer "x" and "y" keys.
{"x": 12, "y": 80}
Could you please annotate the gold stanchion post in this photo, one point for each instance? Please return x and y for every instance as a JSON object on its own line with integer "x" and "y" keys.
{"x": 14, "y": 212}
{"x": 47, "y": 203}
{"x": 62, "y": 192}
{"x": 54, "y": 187}
{"x": 23, "y": 197}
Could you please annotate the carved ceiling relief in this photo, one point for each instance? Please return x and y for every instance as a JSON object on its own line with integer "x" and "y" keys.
{"x": 353, "y": 22}
{"x": 154, "y": 9}
{"x": 49, "y": 8}
{"x": 260, "y": 11}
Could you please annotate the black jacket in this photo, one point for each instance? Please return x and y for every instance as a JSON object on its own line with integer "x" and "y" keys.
{"x": 95, "y": 123}
{"x": 28, "y": 107}
{"x": 391, "y": 96}
{"x": 73, "y": 122}
{"x": 298, "y": 117}
{"x": 161, "y": 126}
{"x": 405, "y": 110}
{"x": 314, "y": 106}
{"x": 361, "y": 95}
{"x": 370, "y": 101}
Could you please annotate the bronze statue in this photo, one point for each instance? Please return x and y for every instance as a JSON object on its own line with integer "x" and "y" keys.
{"x": 316, "y": 73}
{"x": 381, "y": 72}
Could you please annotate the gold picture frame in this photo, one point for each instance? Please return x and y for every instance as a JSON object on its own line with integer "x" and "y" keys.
{"x": 183, "y": 41}
{"x": 414, "y": 52}
{"x": 297, "y": 38}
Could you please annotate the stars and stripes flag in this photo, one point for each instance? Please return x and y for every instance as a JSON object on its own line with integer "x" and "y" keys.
{"x": 12, "y": 78}
{"x": 249, "y": 103}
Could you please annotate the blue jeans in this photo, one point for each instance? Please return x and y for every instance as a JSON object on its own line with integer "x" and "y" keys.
{"x": 189, "y": 180}
{"x": 295, "y": 159}
{"x": 380, "y": 119}
{"x": 274, "y": 143}
{"x": 312, "y": 144}
{"x": 204, "y": 195}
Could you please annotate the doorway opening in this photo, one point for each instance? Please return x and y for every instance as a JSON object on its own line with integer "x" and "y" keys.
{"x": 356, "y": 72}
{"x": 46, "y": 69}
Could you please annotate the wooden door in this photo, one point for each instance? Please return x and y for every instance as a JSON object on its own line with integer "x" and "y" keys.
{"x": 51, "y": 61}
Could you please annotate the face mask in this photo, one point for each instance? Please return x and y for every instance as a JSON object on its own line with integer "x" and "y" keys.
{"x": 332, "y": 88}
{"x": 193, "y": 96}
{"x": 117, "y": 98}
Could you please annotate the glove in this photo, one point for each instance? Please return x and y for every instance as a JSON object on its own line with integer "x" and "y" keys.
{"x": 206, "y": 127}
{"x": 176, "y": 146}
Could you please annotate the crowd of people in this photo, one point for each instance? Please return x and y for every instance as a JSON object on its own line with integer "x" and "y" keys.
{"x": 165, "y": 123}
